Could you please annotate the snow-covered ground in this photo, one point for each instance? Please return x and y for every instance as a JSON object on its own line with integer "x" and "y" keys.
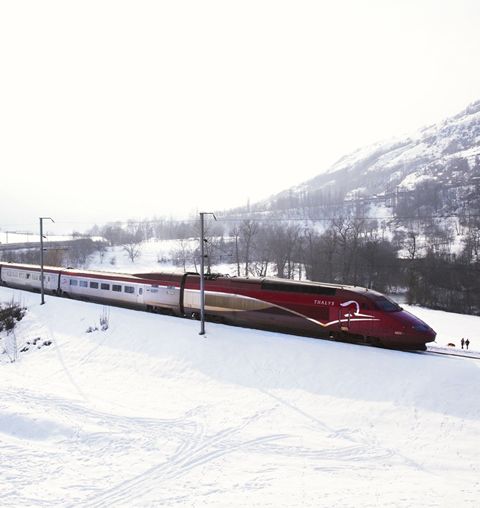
{"x": 155, "y": 255}
{"x": 148, "y": 413}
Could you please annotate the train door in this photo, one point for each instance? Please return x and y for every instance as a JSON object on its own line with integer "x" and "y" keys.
{"x": 355, "y": 319}
{"x": 171, "y": 295}
{"x": 161, "y": 296}
{"x": 346, "y": 313}
{"x": 140, "y": 296}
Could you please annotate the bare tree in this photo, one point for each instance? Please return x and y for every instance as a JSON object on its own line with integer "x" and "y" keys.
{"x": 471, "y": 249}
{"x": 248, "y": 231}
{"x": 236, "y": 239}
{"x": 102, "y": 250}
{"x": 411, "y": 245}
{"x": 132, "y": 249}
{"x": 284, "y": 242}
{"x": 262, "y": 256}
{"x": 183, "y": 254}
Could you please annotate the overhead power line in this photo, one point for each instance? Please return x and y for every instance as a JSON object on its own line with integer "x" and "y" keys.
{"x": 284, "y": 219}
{"x": 255, "y": 218}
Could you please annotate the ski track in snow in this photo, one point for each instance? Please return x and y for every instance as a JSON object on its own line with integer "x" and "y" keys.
{"x": 197, "y": 451}
{"x": 363, "y": 447}
{"x": 196, "y": 447}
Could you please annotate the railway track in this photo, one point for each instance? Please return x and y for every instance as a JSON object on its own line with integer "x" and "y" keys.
{"x": 435, "y": 350}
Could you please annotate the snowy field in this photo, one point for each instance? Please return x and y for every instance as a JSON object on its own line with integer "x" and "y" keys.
{"x": 148, "y": 413}
{"x": 155, "y": 255}
{"x": 30, "y": 236}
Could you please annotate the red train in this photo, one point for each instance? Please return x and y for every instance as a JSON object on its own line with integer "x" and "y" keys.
{"x": 329, "y": 311}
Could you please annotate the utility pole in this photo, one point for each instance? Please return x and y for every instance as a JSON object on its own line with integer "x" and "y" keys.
{"x": 41, "y": 257}
{"x": 202, "y": 270}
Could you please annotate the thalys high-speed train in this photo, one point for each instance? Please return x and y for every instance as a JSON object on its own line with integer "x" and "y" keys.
{"x": 329, "y": 311}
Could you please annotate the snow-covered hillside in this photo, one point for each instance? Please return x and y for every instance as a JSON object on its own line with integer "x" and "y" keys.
{"x": 148, "y": 413}
{"x": 457, "y": 136}
{"x": 443, "y": 158}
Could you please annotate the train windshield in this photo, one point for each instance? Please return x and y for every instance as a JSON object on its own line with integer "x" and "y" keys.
{"x": 386, "y": 304}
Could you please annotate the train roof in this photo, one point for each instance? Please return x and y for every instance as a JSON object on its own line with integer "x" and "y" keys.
{"x": 72, "y": 271}
{"x": 272, "y": 283}
{"x": 99, "y": 273}
{"x": 32, "y": 267}
{"x": 313, "y": 284}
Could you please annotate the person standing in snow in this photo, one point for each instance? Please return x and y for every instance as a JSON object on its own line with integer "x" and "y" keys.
{"x": 462, "y": 342}
{"x": 467, "y": 343}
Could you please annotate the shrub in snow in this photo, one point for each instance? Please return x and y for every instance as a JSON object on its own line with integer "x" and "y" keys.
{"x": 10, "y": 313}
{"x": 104, "y": 322}
{"x": 37, "y": 342}
{"x": 105, "y": 319}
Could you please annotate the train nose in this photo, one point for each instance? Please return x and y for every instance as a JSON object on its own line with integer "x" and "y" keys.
{"x": 425, "y": 330}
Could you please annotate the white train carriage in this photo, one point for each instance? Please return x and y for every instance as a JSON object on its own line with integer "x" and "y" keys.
{"x": 28, "y": 277}
{"x": 119, "y": 288}
{"x": 129, "y": 290}
{"x": 98, "y": 286}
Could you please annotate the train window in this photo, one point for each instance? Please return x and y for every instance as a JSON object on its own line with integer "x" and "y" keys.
{"x": 94, "y": 285}
{"x": 104, "y": 286}
{"x": 129, "y": 289}
{"x": 83, "y": 284}
{"x": 387, "y": 305}
{"x": 295, "y": 287}
{"x": 116, "y": 287}
{"x": 73, "y": 282}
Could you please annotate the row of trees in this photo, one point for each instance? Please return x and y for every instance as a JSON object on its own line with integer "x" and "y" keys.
{"x": 119, "y": 233}
{"x": 354, "y": 251}
{"x": 422, "y": 259}
{"x": 76, "y": 254}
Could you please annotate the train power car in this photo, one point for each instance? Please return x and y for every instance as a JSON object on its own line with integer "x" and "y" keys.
{"x": 330, "y": 311}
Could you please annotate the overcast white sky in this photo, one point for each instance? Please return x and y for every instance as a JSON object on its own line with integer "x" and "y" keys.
{"x": 126, "y": 109}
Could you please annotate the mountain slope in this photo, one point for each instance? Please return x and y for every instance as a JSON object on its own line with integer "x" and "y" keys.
{"x": 444, "y": 158}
